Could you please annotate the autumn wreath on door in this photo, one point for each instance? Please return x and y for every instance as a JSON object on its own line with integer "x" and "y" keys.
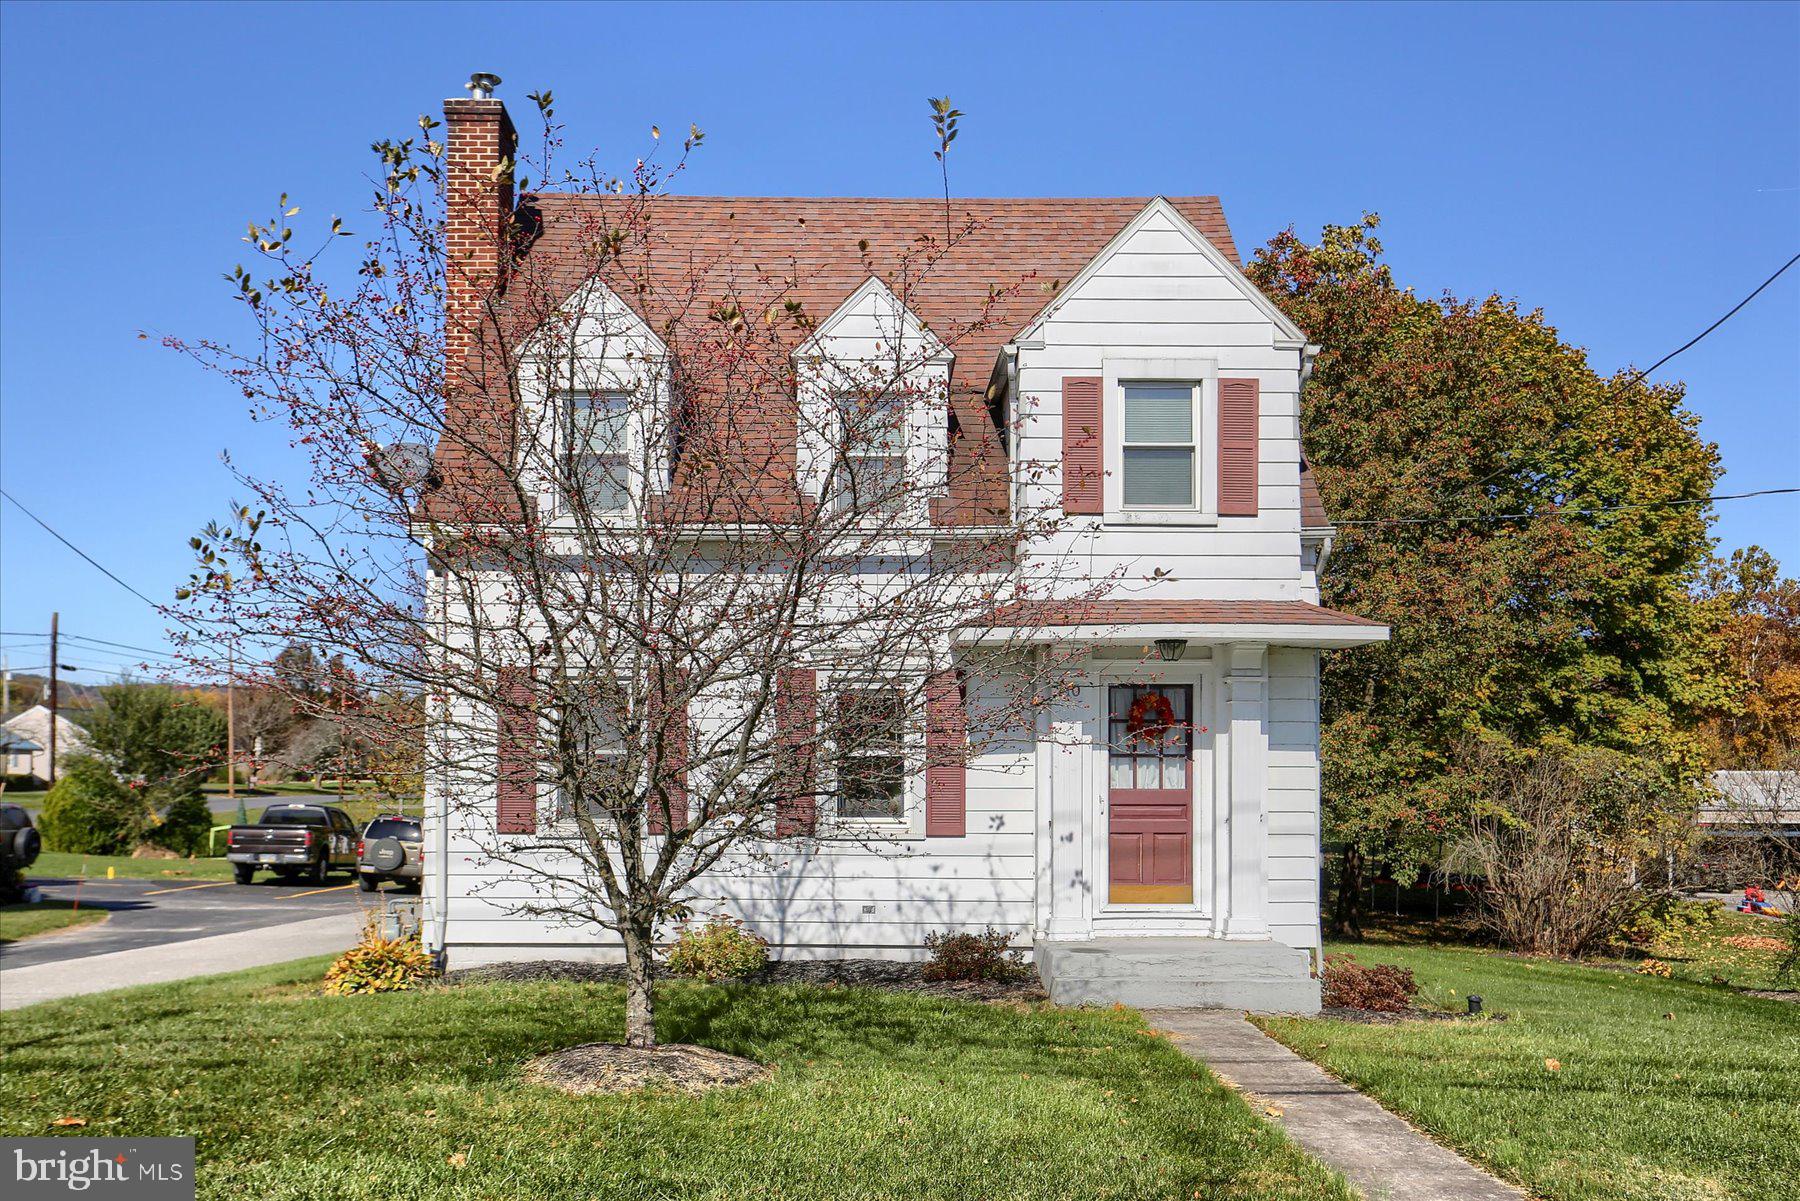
{"x": 1149, "y": 717}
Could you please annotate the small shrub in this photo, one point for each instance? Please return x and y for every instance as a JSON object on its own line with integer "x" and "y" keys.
{"x": 185, "y": 823}
{"x": 1380, "y": 987}
{"x": 719, "y": 950}
{"x": 379, "y": 964}
{"x": 1670, "y": 922}
{"x": 90, "y": 812}
{"x": 989, "y": 955}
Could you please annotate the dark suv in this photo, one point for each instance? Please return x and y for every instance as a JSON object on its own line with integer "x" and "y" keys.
{"x": 19, "y": 845}
{"x": 392, "y": 848}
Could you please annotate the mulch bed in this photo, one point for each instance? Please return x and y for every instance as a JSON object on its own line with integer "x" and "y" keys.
{"x": 611, "y": 1068}
{"x": 887, "y": 974}
{"x": 1773, "y": 994}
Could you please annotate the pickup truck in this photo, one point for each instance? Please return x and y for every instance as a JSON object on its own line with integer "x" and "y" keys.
{"x": 294, "y": 839}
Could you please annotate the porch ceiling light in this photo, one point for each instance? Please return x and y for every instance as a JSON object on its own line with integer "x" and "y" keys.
{"x": 1169, "y": 650}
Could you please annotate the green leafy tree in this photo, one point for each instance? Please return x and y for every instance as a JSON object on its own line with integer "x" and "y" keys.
{"x": 1478, "y": 446}
{"x": 154, "y": 737}
{"x": 1762, "y": 631}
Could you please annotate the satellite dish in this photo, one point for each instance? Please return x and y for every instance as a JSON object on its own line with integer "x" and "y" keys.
{"x": 403, "y": 467}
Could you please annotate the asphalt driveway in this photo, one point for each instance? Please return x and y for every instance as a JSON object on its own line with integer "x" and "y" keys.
{"x": 148, "y": 913}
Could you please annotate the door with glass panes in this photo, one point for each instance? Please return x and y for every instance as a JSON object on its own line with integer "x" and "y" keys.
{"x": 1150, "y": 794}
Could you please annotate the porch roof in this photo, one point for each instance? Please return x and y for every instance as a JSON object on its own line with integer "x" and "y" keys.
{"x": 1282, "y": 623}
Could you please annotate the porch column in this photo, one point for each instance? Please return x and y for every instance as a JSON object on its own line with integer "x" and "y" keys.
{"x": 1065, "y": 757}
{"x": 1246, "y": 701}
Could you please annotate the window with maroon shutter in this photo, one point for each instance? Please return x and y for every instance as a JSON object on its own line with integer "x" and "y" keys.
{"x": 673, "y": 720}
{"x": 869, "y": 754}
{"x": 1239, "y": 449}
{"x": 1083, "y": 471}
{"x": 515, "y": 809}
{"x": 796, "y": 736}
{"x": 946, "y": 768}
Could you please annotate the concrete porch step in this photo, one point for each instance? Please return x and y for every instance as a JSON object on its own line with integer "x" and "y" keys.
{"x": 1179, "y": 973}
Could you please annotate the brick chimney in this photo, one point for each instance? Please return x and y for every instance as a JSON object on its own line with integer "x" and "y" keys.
{"x": 480, "y": 152}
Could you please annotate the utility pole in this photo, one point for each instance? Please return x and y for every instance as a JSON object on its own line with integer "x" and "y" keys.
{"x": 231, "y": 722}
{"x": 50, "y": 770}
{"x": 5, "y": 685}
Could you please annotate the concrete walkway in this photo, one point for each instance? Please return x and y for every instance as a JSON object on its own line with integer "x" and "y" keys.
{"x": 28, "y": 985}
{"x": 1379, "y": 1153}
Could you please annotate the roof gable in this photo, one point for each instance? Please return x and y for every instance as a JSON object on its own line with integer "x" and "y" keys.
{"x": 1226, "y": 265}
{"x": 875, "y": 316}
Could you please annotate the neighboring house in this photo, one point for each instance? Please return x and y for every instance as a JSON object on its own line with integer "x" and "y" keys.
{"x": 33, "y": 725}
{"x": 1752, "y": 804}
{"x": 1215, "y": 843}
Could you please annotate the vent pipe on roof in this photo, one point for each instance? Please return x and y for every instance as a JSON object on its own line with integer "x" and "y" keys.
{"x": 481, "y": 85}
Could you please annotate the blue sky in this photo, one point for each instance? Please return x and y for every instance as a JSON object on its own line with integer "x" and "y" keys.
{"x": 1633, "y": 170}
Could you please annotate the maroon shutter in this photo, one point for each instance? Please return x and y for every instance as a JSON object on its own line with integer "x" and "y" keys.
{"x": 796, "y": 737}
{"x": 674, "y": 720}
{"x": 515, "y": 807}
{"x": 1239, "y": 446}
{"x": 946, "y": 764}
{"x": 1083, "y": 446}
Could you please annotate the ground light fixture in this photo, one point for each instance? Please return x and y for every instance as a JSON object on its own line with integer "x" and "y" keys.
{"x": 1170, "y": 650}
{"x": 1474, "y": 1003}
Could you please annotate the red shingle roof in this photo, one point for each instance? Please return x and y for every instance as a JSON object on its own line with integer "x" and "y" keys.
{"x": 1008, "y": 259}
{"x": 1158, "y": 612}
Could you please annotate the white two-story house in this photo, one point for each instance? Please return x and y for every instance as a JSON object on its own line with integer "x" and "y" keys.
{"x": 1138, "y": 382}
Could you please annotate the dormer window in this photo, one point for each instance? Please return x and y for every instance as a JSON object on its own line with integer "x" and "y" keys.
{"x": 1159, "y": 446}
{"x": 872, "y": 430}
{"x": 599, "y": 459}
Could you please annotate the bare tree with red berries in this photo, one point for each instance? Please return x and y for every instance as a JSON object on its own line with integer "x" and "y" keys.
{"x": 685, "y": 582}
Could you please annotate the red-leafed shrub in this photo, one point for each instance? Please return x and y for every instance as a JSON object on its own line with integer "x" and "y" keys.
{"x": 985, "y": 956}
{"x": 1381, "y": 987}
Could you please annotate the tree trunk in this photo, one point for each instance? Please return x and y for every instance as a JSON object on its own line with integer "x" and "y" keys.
{"x": 640, "y": 1003}
{"x": 1345, "y": 922}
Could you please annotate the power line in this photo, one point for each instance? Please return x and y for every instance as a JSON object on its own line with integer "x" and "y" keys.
{"x": 103, "y": 571}
{"x": 121, "y": 645}
{"x": 1648, "y": 504}
{"x": 1715, "y": 325}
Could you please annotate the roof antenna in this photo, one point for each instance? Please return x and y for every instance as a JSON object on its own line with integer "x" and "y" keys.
{"x": 481, "y": 85}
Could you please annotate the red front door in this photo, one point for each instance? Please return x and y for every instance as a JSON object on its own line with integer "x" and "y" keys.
{"x": 1150, "y": 794}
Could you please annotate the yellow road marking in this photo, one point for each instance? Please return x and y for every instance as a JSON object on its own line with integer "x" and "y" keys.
{"x": 154, "y": 892}
{"x": 294, "y": 896}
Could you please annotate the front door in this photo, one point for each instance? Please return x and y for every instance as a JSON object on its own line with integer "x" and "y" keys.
{"x": 1150, "y": 793}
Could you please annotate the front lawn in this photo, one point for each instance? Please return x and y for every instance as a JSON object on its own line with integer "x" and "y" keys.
{"x": 876, "y": 1095}
{"x": 1599, "y": 1083}
{"x": 1742, "y": 950}
{"x": 23, "y": 921}
{"x": 53, "y": 865}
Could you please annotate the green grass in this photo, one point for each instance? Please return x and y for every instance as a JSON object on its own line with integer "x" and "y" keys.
{"x": 1666, "y": 1090}
{"x": 292, "y": 1094}
{"x": 31, "y": 800}
{"x": 1708, "y": 958}
{"x": 24, "y": 921}
{"x": 66, "y": 864}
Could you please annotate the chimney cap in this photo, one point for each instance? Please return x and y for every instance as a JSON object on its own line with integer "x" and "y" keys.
{"x": 481, "y": 85}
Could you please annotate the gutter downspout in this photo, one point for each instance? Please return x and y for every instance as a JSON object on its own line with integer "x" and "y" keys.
{"x": 1011, "y": 354}
{"x": 440, "y": 910}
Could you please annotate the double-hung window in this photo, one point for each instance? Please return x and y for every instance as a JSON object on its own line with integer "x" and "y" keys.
{"x": 1159, "y": 448}
{"x": 599, "y": 450}
{"x": 870, "y": 759}
{"x": 872, "y": 430}
{"x": 596, "y": 751}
